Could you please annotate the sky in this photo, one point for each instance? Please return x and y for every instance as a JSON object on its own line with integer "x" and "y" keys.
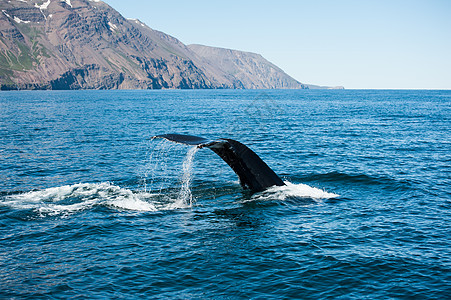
{"x": 358, "y": 44}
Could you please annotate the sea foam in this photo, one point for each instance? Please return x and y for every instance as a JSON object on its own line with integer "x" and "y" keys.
{"x": 82, "y": 196}
{"x": 291, "y": 190}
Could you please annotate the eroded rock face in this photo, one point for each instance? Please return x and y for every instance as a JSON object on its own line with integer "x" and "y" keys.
{"x": 249, "y": 70}
{"x": 83, "y": 44}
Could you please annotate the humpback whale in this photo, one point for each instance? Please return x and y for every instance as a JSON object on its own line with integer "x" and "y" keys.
{"x": 253, "y": 172}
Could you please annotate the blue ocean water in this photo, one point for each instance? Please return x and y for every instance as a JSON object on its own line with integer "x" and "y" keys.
{"x": 92, "y": 207}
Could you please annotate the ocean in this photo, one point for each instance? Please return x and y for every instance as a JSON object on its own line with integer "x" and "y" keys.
{"x": 91, "y": 206}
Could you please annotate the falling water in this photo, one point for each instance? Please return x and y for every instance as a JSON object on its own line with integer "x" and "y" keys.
{"x": 155, "y": 166}
{"x": 163, "y": 159}
{"x": 185, "y": 197}
{"x": 155, "y": 177}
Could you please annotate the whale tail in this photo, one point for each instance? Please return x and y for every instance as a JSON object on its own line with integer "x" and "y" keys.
{"x": 253, "y": 172}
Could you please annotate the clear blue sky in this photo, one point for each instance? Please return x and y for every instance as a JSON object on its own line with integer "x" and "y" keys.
{"x": 357, "y": 44}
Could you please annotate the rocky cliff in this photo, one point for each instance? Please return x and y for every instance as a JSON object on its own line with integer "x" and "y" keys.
{"x": 86, "y": 44}
{"x": 245, "y": 69}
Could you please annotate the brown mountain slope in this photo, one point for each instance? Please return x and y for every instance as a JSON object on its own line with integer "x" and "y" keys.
{"x": 250, "y": 69}
{"x": 86, "y": 44}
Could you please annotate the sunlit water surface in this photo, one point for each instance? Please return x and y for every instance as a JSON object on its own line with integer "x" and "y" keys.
{"x": 92, "y": 207}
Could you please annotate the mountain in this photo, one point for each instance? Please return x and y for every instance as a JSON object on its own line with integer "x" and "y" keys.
{"x": 86, "y": 44}
{"x": 245, "y": 69}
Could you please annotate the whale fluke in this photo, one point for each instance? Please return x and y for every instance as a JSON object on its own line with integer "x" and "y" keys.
{"x": 253, "y": 172}
{"x": 184, "y": 139}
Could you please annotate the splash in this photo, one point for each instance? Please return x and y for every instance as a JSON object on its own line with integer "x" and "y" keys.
{"x": 159, "y": 170}
{"x": 157, "y": 164}
{"x": 291, "y": 190}
{"x": 73, "y": 198}
{"x": 185, "y": 197}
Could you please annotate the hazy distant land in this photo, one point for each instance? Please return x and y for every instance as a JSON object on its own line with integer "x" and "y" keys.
{"x": 86, "y": 44}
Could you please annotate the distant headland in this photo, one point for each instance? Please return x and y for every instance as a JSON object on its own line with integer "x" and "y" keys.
{"x": 86, "y": 44}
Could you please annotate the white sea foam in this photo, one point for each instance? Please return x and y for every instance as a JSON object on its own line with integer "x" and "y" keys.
{"x": 77, "y": 197}
{"x": 69, "y": 199}
{"x": 291, "y": 190}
